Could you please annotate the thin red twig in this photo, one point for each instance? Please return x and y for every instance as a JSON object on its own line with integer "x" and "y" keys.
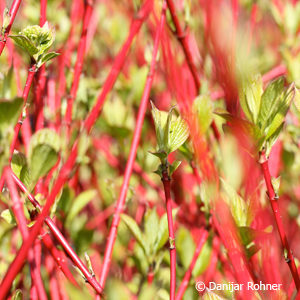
{"x": 273, "y": 197}
{"x": 187, "y": 276}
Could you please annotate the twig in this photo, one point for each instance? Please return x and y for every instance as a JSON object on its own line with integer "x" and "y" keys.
{"x": 187, "y": 276}
{"x": 166, "y": 180}
{"x": 61, "y": 239}
{"x": 12, "y": 13}
{"x": 273, "y": 197}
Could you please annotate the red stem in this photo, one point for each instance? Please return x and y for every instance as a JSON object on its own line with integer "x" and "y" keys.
{"x": 79, "y": 60}
{"x": 167, "y": 187}
{"x": 53, "y": 285}
{"x": 31, "y": 73}
{"x": 43, "y": 12}
{"x": 12, "y": 12}
{"x": 273, "y": 197}
{"x": 118, "y": 63}
{"x": 22, "y": 224}
{"x": 188, "y": 274}
{"x": 61, "y": 239}
{"x": 183, "y": 39}
{"x": 59, "y": 257}
{"x": 131, "y": 158}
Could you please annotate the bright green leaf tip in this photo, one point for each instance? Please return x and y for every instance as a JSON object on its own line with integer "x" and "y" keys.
{"x": 171, "y": 132}
{"x": 36, "y": 41}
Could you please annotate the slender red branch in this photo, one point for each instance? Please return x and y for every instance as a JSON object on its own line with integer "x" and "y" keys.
{"x": 187, "y": 276}
{"x": 30, "y": 76}
{"x": 166, "y": 180}
{"x": 118, "y": 63}
{"x": 183, "y": 39}
{"x": 59, "y": 257}
{"x": 12, "y": 13}
{"x": 79, "y": 60}
{"x": 273, "y": 197}
{"x": 131, "y": 158}
{"x": 22, "y": 224}
{"x": 54, "y": 288}
{"x": 61, "y": 239}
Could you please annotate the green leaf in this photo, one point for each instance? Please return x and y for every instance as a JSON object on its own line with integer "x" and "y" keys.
{"x": 23, "y": 42}
{"x": 204, "y": 110}
{"x": 43, "y": 152}
{"x": 185, "y": 246}
{"x": 178, "y": 134}
{"x": 20, "y": 168}
{"x": 269, "y": 101}
{"x": 238, "y": 206}
{"x": 46, "y": 57}
{"x": 35, "y": 40}
{"x": 250, "y": 97}
{"x": 79, "y": 203}
{"x": 10, "y": 112}
{"x": 297, "y": 99}
{"x": 271, "y": 140}
{"x": 170, "y": 133}
{"x": 135, "y": 230}
{"x": 203, "y": 260}
{"x": 8, "y": 88}
{"x": 8, "y": 216}
{"x": 151, "y": 230}
{"x": 18, "y": 295}
{"x": 282, "y": 110}
{"x": 160, "y": 121}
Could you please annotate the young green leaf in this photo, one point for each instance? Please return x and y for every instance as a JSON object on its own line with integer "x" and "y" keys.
{"x": 25, "y": 43}
{"x": 20, "y": 168}
{"x": 36, "y": 41}
{"x": 10, "y": 112}
{"x": 79, "y": 203}
{"x": 250, "y": 97}
{"x": 178, "y": 134}
{"x": 46, "y": 57}
{"x": 135, "y": 230}
{"x": 162, "y": 235}
{"x": 204, "y": 110}
{"x": 283, "y": 106}
{"x": 269, "y": 102}
{"x": 170, "y": 133}
{"x": 43, "y": 152}
{"x": 151, "y": 229}
{"x": 238, "y": 206}
{"x": 8, "y": 216}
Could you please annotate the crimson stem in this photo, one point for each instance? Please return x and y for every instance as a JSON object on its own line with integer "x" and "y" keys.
{"x": 61, "y": 239}
{"x": 273, "y": 197}
{"x": 12, "y": 13}
{"x": 31, "y": 72}
{"x": 166, "y": 180}
{"x": 188, "y": 273}
{"x": 79, "y": 60}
